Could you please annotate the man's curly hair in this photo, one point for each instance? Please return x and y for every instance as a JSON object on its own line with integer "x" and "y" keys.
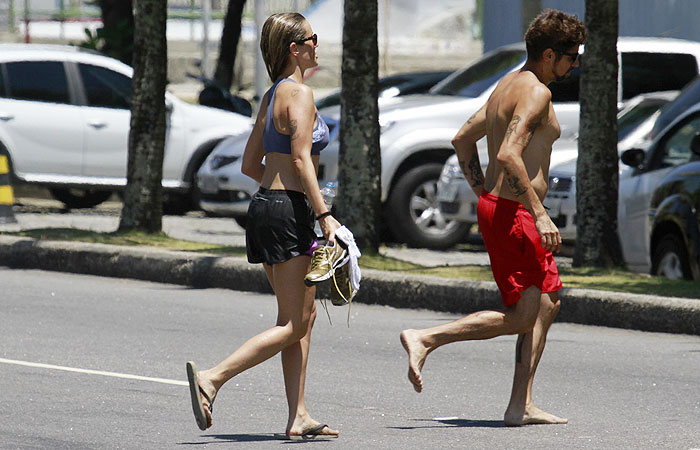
{"x": 553, "y": 29}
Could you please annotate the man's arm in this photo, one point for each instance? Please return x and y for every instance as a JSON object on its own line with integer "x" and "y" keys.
{"x": 465, "y": 147}
{"x": 529, "y": 112}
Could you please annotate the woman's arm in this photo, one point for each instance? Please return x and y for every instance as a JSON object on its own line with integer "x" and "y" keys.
{"x": 252, "y": 165}
{"x": 301, "y": 113}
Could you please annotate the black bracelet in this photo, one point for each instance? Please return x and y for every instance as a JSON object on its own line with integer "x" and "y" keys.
{"x": 322, "y": 215}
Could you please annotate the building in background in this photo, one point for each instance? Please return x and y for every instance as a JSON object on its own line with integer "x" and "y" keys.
{"x": 502, "y": 23}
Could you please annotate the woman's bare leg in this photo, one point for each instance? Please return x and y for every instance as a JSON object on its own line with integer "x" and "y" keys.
{"x": 295, "y": 356}
{"x": 295, "y": 314}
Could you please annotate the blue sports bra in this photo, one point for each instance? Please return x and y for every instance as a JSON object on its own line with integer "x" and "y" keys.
{"x": 274, "y": 141}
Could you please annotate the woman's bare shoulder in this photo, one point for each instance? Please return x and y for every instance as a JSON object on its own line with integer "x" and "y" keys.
{"x": 296, "y": 92}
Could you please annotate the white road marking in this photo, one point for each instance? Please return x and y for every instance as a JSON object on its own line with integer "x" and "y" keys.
{"x": 93, "y": 372}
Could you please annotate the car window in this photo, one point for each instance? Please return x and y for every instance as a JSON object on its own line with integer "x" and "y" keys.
{"x": 475, "y": 79}
{"x": 676, "y": 148}
{"x": 650, "y": 72}
{"x": 631, "y": 119}
{"x": 689, "y": 96}
{"x": 43, "y": 81}
{"x": 105, "y": 88}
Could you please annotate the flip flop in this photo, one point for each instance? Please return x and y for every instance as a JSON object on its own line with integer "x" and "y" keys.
{"x": 308, "y": 435}
{"x": 195, "y": 393}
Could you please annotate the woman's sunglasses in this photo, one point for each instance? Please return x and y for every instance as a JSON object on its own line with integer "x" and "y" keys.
{"x": 313, "y": 38}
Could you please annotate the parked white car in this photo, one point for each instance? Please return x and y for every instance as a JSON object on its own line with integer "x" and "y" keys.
{"x": 64, "y": 123}
{"x": 646, "y": 65}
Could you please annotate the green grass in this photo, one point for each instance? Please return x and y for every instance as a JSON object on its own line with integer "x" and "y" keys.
{"x": 617, "y": 280}
{"x": 131, "y": 238}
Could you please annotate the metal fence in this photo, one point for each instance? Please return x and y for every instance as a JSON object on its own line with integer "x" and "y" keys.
{"x": 14, "y": 10}
{"x": 270, "y": 6}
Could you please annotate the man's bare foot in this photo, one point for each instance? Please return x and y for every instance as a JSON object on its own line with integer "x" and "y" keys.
{"x": 416, "y": 357}
{"x": 310, "y": 427}
{"x": 532, "y": 416}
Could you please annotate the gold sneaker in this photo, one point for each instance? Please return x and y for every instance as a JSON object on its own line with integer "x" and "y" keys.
{"x": 324, "y": 261}
{"x": 341, "y": 288}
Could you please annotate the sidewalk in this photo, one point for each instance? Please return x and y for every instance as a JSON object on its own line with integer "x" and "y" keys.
{"x": 592, "y": 307}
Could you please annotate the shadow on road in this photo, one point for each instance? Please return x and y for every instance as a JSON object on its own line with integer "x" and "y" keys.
{"x": 233, "y": 438}
{"x": 456, "y": 423}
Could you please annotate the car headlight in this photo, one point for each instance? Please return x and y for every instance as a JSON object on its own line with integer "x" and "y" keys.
{"x": 451, "y": 170}
{"x": 384, "y": 125}
{"x": 390, "y": 92}
{"x": 219, "y": 161}
{"x": 560, "y": 184}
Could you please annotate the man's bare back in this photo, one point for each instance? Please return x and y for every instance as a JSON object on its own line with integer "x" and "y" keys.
{"x": 500, "y": 124}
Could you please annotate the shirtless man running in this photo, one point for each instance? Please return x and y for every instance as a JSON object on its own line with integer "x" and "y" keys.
{"x": 519, "y": 123}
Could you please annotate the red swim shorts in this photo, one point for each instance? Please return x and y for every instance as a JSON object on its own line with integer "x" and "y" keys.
{"x": 518, "y": 260}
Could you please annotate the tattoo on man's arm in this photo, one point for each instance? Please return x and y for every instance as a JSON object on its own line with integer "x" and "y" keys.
{"x": 295, "y": 92}
{"x": 515, "y": 184}
{"x": 531, "y": 127}
{"x": 522, "y": 140}
{"x": 511, "y": 126}
{"x": 292, "y": 129}
{"x": 477, "y": 176}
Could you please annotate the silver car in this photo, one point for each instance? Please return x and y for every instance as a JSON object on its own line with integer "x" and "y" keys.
{"x": 635, "y": 122}
{"x": 647, "y": 220}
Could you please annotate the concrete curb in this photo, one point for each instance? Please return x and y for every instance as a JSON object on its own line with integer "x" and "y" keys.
{"x": 592, "y": 307}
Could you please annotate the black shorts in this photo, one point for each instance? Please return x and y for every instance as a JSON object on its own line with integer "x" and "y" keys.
{"x": 279, "y": 226}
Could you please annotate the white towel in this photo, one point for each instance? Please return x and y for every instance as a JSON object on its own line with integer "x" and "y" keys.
{"x": 348, "y": 239}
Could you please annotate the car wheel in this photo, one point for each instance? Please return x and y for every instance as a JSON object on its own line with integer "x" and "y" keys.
{"x": 180, "y": 204}
{"x": 671, "y": 259}
{"x": 415, "y": 216}
{"x": 80, "y": 198}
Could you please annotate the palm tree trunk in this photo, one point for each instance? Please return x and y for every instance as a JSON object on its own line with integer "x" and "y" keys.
{"x": 597, "y": 240}
{"x": 228, "y": 49}
{"x": 359, "y": 176}
{"x": 143, "y": 208}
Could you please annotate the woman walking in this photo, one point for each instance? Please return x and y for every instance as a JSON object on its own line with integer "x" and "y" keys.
{"x": 290, "y": 134}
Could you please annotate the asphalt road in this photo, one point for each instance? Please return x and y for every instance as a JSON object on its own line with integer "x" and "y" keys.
{"x": 620, "y": 389}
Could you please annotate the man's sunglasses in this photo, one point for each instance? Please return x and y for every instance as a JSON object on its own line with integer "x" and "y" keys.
{"x": 573, "y": 56}
{"x": 313, "y": 38}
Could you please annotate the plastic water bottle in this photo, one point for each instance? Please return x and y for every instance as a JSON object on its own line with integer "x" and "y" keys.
{"x": 328, "y": 193}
